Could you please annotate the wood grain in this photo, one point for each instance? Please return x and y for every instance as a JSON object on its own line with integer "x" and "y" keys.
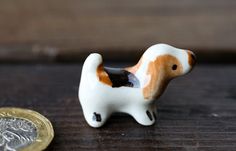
{"x": 57, "y": 29}
{"x": 196, "y": 112}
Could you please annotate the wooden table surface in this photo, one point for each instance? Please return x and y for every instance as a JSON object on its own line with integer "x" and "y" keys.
{"x": 197, "y": 111}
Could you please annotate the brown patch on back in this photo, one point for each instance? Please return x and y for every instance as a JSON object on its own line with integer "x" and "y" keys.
{"x": 161, "y": 73}
{"x": 134, "y": 68}
{"x": 103, "y": 76}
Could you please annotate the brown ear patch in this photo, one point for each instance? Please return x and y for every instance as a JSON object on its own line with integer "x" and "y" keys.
{"x": 103, "y": 76}
{"x": 161, "y": 72}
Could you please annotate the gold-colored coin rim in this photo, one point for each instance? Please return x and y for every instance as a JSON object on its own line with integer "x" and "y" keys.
{"x": 45, "y": 132}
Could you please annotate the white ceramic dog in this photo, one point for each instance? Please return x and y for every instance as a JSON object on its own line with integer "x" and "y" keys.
{"x": 131, "y": 90}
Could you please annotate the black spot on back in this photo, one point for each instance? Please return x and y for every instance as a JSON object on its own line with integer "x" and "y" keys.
{"x": 120, "y": 77}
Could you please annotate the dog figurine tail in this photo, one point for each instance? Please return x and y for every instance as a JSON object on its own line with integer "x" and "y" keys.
{"x": 90, "y": 68}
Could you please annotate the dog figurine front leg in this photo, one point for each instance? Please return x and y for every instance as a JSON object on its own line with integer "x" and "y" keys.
{"x": 144, "y": 115}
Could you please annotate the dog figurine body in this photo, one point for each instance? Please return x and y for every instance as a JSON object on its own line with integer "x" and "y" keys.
{"x": 131, "y": 90}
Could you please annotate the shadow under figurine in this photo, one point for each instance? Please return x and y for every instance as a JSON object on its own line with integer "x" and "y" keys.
{"x": 131, "y": 90}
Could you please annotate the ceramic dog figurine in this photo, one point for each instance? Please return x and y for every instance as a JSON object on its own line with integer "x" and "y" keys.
{"x": 131, "y": 90}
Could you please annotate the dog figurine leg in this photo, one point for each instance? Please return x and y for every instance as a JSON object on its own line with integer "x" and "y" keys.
{"x": 145, "y": 115}
{"x": 96, "y": 117}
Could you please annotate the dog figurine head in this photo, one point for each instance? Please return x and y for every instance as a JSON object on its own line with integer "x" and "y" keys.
{"x": 130, "y": 90}
{"x": 159, "y": 64}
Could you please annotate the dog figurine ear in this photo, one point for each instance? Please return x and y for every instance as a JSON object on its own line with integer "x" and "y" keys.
{"x": 130, "y": 90}
{"x": 155, "y": 80}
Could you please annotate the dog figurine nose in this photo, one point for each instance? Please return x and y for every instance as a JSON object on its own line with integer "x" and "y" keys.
{"x": 192, "y": 58}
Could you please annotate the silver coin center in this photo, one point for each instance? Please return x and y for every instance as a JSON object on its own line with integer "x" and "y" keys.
{"x": 16, "y": 133}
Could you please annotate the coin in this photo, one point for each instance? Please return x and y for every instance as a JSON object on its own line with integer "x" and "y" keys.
{"x": 24, "y": 130}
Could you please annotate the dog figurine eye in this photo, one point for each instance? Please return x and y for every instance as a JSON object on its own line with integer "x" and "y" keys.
{"x": 174, "y": 67}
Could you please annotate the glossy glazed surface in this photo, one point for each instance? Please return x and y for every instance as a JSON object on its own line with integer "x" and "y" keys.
{"x": 131, "y": 90}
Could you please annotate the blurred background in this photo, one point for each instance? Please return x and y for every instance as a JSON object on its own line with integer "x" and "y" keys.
{"x": 67, "y": 31}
